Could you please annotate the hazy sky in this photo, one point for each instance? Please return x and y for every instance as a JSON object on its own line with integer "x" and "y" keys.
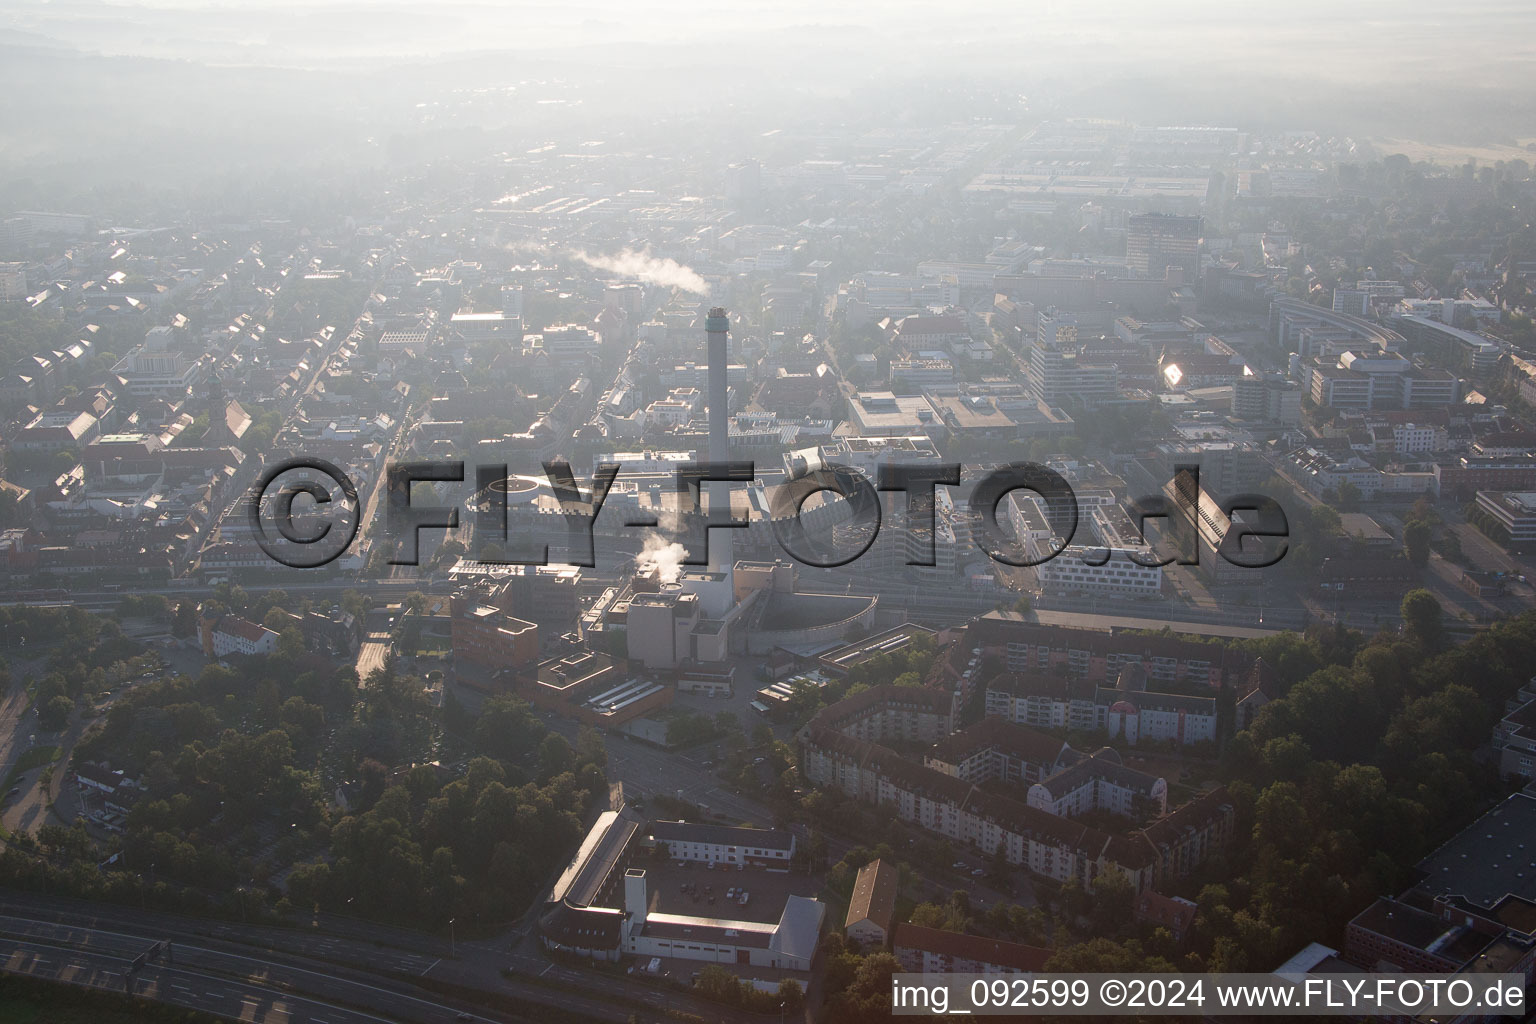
{"x": 281, "y": 80}
{"x": 1352, "y": 40}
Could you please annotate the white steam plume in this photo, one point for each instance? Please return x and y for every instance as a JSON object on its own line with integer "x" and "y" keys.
{"x": 668, "y": 558}
{"x": 642, "y": 266}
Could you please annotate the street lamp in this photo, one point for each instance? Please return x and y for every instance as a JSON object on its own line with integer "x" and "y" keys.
{"x": 452, "y": 945}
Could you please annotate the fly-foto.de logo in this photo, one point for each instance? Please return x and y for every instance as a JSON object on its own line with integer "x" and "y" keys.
{"x": 305, "y": 513}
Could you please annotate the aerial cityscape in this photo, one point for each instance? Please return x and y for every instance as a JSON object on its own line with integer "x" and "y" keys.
{"x": 631, "y": 513}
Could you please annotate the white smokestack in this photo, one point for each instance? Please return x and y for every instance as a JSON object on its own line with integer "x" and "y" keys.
{"x": 718, "y": 326}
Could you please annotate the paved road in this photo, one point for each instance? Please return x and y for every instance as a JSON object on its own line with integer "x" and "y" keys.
{"x": 19, "y": 733}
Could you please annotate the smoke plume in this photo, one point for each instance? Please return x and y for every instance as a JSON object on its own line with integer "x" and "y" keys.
{"x": 642, "y": 266}
{"x": 667, "y": 557}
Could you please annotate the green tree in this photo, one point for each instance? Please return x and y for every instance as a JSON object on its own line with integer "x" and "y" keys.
{"x": 1416, "y": 540}
{"x": 507, "y": 729}
{"x": 53, "y": 716}
{"x": 290, "y": 642}
{"x": 1423, "y": 617}
{"x": 555, "y": 755}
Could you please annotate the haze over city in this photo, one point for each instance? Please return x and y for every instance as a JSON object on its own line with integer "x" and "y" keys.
{"x": 639, "y": 512}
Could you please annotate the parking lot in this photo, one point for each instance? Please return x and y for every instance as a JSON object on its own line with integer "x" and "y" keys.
{"x": 767, "y": 890}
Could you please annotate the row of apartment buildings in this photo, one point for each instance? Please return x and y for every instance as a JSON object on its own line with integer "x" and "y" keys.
{"x": 842, "y": 749}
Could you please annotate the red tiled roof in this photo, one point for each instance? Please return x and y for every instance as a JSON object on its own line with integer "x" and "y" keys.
{"x": 874, "y": 895}
{"x": 971, "y": 947}
{"x": 233, "y": 625}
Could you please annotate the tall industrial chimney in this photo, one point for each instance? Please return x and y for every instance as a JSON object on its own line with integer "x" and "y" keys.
{"x": 718, "y": 327}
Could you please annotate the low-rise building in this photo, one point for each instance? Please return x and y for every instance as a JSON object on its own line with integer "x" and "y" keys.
{"x": 872, "y": 910}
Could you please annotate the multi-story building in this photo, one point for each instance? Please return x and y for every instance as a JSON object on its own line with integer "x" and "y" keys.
{"x": 1055, "y": 777}
{"x": 1319, "y": 472}
{"x": 922, "y": 370}
{"x": 1100, "y": 782}
{"x": 1514, "y": 737}
{"x": 936, "y": 951}
{"x": 996, "y": 825}
{"x": 1466, "y": 351}
{"x": 567, "y": 342}
{"x": 919, "y": 333}
{"x": 1472, "y": 912}
{"x": 1059, "y": 369}
{"x": 56, "y": 430}
{"x": 1461, "y": 479}
{"x": 997, "y": 749}
{"x": 1044, "y": 701}
{"x": 155, "y": 369}
{"x": 1158, "y": 242}
{"x": 1515, "y": 514}
{"x": 1109, "y": 566}
{"x": 1309, "y": 330}
{"x": 1185, "y": 491}
{"x": 722, "y": 844}
{"x": 230, "y": 634}
{"x": 1352, "y": 301}
{"x": 486, "y": 636}
{"x": 1147, "y": 715}
{"x": 1098, "y": 655}
{"x": 13, "y": 281}
{"x": 547, "y": 595}
{"x": 1267, "y": 398}
{"x": 1418, "y": 438}
{"x": 1367, "y": 380}
{"x": 602, "y": 908}
{"x": 890, "y": 713}
{"x": 884, "y": 414}
{"x": 867, "y": 455}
